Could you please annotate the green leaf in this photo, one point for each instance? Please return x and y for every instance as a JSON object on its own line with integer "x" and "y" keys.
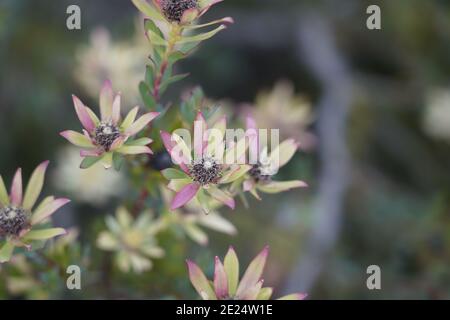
{"x": 231, "y": 265}
{"x": 197, "y": 96}
{"x": 186, "y": 113}
{"x": 172, "y": 80}
{"x": 187, "y": 48}
{"x": 162, "y": 111}
{"x": 4, "y": 198}
{"x": 89, "y": 162}
{"x": 146, "y": 96}
{"x": 172, "y": 173}
{"x": 176, "y": 56}
{"x": 147, "y": 9}
{"x": 43, "y": 234}
{"x": 157, "y": 56}
{"x": 222, "y": 196}
{"x": 167, "y": 73}
{"x": 202, "y": 36}
{"x": 154, "y": 34}
{"x": 189, "y": 107}
{"x": 204, "y": 200}
{"x": 198, "y": 26}
{"x": 138, "y": 142}
{"x": 6, "y": 252}
{"x": 107, "y": 160}
{"x": 243, "y": 199}
{"x": 149, "y": 25}
{"x": 149, "y": 76}
{"x": 34, "y": 186}
{"x": 281, "y": 186}
{"x": 208, "y": 113}
{"x": 117, "y": 161}
{"x": 200, "y": 282}
{"x": 264, "y": 294}
{"x": 234, "y": 174}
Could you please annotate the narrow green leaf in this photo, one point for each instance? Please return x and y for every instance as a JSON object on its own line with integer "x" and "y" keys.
{"x": 172, "y": 80}
{"x": 6, "y": 252}
{"x": 208, "y": 113}
{"x": 154, "y": 34}
{"x": 149, "y": 25}
{"x": 138, "y": 142}
{"x": 202, "y": 36}
{"x": 198, "y": 26}
{"x": 43, "y": 234}
{"x": 146, "y": 96}
{"x": 172, "y": 173}
{"x": 231, "y": 265}
{"x": 176, "y": 56}
{"x": 89, "y": 162}
{"x": 186, "y": 113}
{"x": 147, "y": 9}
{"x": 4, "y": 198}
{"x": 187, "y": 48}
{"x": 197, "y": 96}
{"x": 149, "y": 76}
{"x": 189, "y": 107}
{"x": 117, "y": 161}
{"x": 167, "y": 73}
{"x": 155, "y": 39}
{"x": 203, "y": 199}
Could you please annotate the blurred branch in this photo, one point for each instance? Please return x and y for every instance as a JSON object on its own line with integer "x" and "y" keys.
{"x": 317, "y": 49}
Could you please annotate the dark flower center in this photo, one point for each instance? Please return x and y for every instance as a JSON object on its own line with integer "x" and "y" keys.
{"x": 259, "y": 173}
{"x": 105, "y": 134}
{"x": 205, "y": 171}
{"x": 12, "y": 221}
{"x": 173, "y": 9}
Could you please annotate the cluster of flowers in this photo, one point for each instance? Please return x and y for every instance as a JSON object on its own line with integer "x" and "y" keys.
{"x": 203, "y": 181}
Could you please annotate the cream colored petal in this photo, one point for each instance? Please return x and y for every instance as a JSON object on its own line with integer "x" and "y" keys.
{"x": 34, "y": 186}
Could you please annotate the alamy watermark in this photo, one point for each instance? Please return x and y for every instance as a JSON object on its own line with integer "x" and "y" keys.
{"x": 374, "y": 20}
{"x": 374, "y": 280}
{"x": 73, "y": 21}
{"x": 73, "y": 282}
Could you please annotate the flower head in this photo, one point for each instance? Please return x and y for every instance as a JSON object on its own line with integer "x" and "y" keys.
{"x": 175, "y": 11}
{"x": 259, "y": 177}
{"x": 281, "y": 107}
{"x": 226, "y": 284}
{"x": 20, "y": 221}
{"x": 102, "y": 138}
{"x": 203, "y": 169}
{"x": 133, "y": 240}
{"x": 86, "y": 185}
{"x": 120, "y": 61}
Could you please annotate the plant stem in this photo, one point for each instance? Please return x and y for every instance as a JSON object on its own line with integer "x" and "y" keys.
{"x": 174, "y": 36}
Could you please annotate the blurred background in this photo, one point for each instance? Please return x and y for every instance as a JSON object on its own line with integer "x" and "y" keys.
{"x": 371, "y": 109}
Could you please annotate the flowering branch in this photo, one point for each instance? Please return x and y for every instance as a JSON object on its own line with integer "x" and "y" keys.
{"x": 168, "y": 28}
{"x": 208, "y": 177}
